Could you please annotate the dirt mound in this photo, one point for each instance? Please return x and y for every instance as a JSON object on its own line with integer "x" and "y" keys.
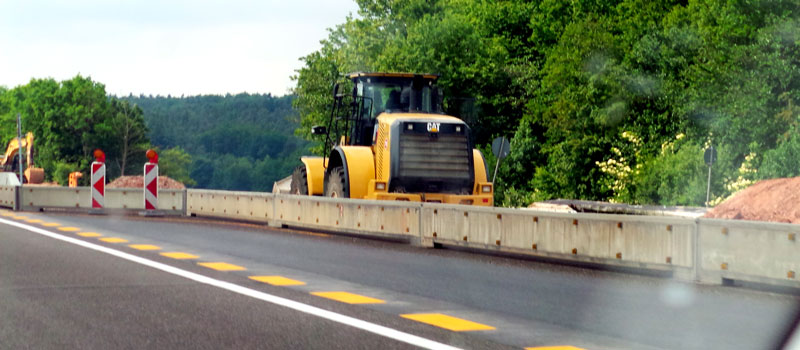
{"x": 776, "y": 200}
{"x": 138, "y": 182}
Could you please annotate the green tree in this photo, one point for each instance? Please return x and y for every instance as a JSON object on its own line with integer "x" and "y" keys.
{"x": 69, "y": 120}
{"x": 175, "y": 163}
{"x": 123, "y": 137}
{"x": 252, "y": 131}
{"x": 128, "y": 122}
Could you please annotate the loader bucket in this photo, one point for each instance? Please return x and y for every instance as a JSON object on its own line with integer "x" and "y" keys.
{"x": 34, "y": 175}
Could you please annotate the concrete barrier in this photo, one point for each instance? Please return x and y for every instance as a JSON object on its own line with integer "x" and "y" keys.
{"x": 169, "y": 200}
{"x": 41, "y": 197}
{"x": 705, "y": 250}
{"x": 8, "y": 196}
{"x": 749, "y": 251}
{"x": 249, "y": 206}
{"x": 360, "y": 217}
{"x": 662, "y": 243}
{"x": 36, "y": 198}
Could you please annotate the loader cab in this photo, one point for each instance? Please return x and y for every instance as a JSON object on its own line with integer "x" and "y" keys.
{"x": 376, "y": 93}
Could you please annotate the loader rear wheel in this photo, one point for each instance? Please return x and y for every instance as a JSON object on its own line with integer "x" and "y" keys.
{"x": 299, "y": 183}
{"x": 337, "y": 185}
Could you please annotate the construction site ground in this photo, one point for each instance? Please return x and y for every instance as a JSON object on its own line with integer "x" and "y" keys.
{"x": 775, "y": 200}
{"x": 138, "y": 182}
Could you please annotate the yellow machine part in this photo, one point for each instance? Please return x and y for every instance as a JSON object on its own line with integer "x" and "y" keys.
{"x": 315, "y": 171}
{"x": 73, "y": 178}
{"x": 33, "y": 175}
{"x": 480, "y": 166}
{"x": 360, "y": 169}
{"x": 382, "y": 148}
{"x": 11, "y": 150}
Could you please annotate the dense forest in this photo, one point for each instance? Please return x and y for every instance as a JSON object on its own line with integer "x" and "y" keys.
{"x": 604, "y": 100}
{"x": 235, "y": 142}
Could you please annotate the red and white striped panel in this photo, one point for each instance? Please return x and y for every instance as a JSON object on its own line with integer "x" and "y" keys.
{"x": 150, "y": 186}
{"x": 98, "y": 185}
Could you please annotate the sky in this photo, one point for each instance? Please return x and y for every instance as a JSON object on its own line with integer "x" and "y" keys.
{"x": 165, "y": 47}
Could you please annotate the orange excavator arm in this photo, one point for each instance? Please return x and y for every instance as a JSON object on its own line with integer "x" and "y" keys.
{"x": 33, "y": 174}
{"x": 29, "y": 148}
{"x": 11, "y": 151}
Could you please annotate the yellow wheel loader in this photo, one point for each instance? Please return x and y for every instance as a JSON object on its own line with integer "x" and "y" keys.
{"x": 388, "y": 139}
{"x": 10, "y": 163}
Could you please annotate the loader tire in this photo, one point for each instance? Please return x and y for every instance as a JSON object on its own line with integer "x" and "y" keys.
{"x": 337, "y": 185}
{"x": 299, "y": 185}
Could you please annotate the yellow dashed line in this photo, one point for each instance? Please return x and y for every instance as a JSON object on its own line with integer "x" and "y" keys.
{"x": 20, "y": 217}
{"x": 89, "y": 234}
{"x": 448, "y": 322}
{"x": 179, "y": 255}
{"x": 221, "y": 266}
{"x": 558, "y": 347}
{"x": 34, "y": 221}
{"x": 9, "y": 214}
{"x": 114, "y": 240}
{"x": 50, "y": 224}
{"x": 69, "y": 229}
{"x": 349, "y": 298}
{"x": 277, "y": 280}
{"x": 145, "y": 247}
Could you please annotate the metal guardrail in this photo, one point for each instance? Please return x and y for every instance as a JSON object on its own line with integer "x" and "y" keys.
{"x": 706, "y": 250}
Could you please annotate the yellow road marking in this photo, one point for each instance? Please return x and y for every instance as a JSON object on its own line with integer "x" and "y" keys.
{"x": 51, "y": 224}
{"x": 349, "y": 298}
{"x": 145, "y": 247}
{"x": 89, "y": 234}
{"x": 448, "y": 322}
{"x": 222, "y": 266}
{"x": 114, "y": 240}
{"x": 20, "y": 217}
{"x": 9, "y": 214}
{"x": 558, "y": 347}
{"x": 179, "y": 255}
{"x": 34, "y": 221}
{"x": 277, "y": 280}
{"x": 68, "y": 229}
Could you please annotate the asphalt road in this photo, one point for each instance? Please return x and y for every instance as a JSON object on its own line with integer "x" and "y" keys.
{"x": 55, "y": 294}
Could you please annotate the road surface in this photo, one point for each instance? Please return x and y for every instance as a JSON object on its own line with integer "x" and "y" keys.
{"x": 57, "y": 294}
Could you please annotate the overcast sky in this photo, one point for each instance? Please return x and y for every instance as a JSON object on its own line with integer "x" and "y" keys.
{"x": 165, "y": 46}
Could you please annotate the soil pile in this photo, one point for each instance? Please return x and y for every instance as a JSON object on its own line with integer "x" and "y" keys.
{"x": 138, "y": 182}
{"x": 776, "y": 200}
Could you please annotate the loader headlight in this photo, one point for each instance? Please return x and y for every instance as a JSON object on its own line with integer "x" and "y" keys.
{"x": 380, "y": 186}
{"x": 486, "y": 188}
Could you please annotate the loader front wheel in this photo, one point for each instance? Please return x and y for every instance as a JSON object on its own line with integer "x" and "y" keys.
{"x": 337, "y": 186}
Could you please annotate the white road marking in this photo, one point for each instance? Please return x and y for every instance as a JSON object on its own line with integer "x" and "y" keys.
{"x": 312, "y": 310}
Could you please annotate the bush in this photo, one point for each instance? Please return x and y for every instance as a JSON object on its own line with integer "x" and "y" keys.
{"x": 62, "y": 170}
{"x": 783, "y": 160}
{"x": 677, "y": 176}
